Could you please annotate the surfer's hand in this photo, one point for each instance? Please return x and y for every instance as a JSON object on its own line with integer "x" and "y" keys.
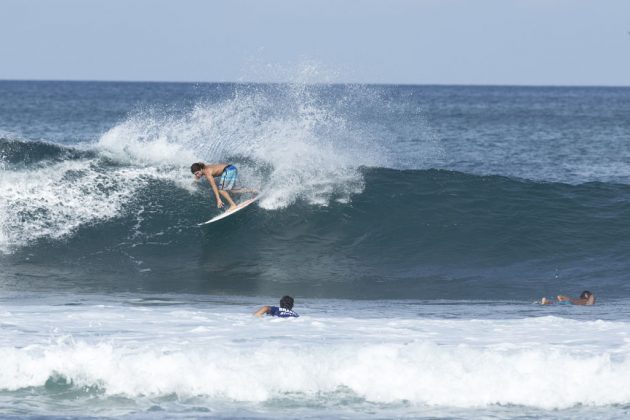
{"x": 219, "y": 203}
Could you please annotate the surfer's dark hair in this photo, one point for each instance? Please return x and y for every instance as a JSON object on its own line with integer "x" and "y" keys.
{"x": 196, "y": 167}
{"x": 585, "y": 294}
{"x": 286, "y": 302}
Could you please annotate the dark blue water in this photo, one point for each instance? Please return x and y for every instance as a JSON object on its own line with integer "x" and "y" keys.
{"x": 372, "y": 192}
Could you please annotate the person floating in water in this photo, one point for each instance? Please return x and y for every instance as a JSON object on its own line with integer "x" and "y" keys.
{"x": 228, "y": 174}
{"x": 284, "y": 311}
{"x": 586, "y": 298}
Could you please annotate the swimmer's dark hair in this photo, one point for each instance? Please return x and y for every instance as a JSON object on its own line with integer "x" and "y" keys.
{"x": 196, "y": 167}
{"x": 286, "y": 302}
{"x": 586, "y": 294}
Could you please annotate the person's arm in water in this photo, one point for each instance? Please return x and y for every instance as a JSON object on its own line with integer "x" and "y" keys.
{"x": 262, "y": 311}
{"x": 579, "y": 301}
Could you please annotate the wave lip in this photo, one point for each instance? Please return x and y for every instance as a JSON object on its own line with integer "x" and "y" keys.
{"x": 19, "y": 153}
{"x": 54, "y": 199}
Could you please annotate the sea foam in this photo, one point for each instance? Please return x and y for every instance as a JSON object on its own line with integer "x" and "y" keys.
{"x": 286, "y": 140}
{"x": 221, "y": 355}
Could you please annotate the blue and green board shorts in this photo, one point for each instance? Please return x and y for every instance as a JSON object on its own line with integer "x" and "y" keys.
{"x": 228, "y": 178}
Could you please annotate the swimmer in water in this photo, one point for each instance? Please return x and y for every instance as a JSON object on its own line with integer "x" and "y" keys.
{"x": 586, "y": 298}
{"x": 285, "y": 310}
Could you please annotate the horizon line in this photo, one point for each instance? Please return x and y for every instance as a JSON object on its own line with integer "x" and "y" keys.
{"x": 319, "y": 83}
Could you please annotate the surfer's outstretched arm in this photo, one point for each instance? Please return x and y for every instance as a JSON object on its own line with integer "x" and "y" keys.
{"x": 213, "y": 184}
{"x": 586, "y": 298}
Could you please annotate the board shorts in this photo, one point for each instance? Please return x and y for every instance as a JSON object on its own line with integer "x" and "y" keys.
{"x": 228, "y": 178}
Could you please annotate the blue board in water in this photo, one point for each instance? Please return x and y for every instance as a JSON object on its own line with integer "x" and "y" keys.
{"x": 227, "y": 213}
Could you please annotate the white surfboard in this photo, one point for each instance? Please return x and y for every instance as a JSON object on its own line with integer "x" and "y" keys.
{"x": 227, "y": 213}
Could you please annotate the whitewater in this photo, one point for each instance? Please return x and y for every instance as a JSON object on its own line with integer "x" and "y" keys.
{"x": 120, "y": 354}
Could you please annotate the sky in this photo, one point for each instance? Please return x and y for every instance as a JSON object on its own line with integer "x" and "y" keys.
{"x": 479, "y": 42}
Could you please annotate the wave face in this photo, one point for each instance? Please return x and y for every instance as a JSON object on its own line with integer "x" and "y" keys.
{"x": 404, "y": 233}
{"x": 369, "y": 192}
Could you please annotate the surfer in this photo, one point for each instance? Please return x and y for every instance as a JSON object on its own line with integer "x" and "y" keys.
{"x": 284, "y": 311}
{"x": 586, "y": 298}
{"x": 228, "y": 174}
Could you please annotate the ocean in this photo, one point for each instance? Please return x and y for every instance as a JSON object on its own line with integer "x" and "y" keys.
{"x": 415, "y": 226}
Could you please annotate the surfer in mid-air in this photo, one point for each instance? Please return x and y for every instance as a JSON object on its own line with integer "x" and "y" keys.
{"x": 228, "y": 174}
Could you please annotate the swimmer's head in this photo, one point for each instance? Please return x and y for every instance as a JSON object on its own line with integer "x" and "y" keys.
{"x": 585, "y": 294}
{"x": 286, "y": 302}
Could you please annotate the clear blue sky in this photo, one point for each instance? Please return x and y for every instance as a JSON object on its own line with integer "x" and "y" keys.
{"x": 524, "y": 42}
